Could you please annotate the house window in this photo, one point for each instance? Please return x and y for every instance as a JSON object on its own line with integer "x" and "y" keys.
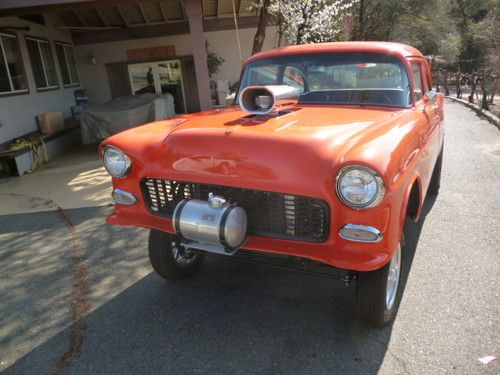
{"x": 12, "y": 77}
{"x": 66, "y": 59}
{"x": 42, "y": 63}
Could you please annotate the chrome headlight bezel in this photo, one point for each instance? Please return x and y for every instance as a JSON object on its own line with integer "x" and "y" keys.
{"x": 378, "y": 196}
{"x": 127, "y": 162}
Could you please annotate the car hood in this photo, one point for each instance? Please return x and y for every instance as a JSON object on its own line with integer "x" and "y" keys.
{"x": 287, "y": 153}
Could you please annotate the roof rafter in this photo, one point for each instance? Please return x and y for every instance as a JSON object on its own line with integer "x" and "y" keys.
{"x": 141, "y": 9}
{"x": 163, "y": 13}
{"x": 183, "y": 10}
{"x": 79, "y": 18}
{"x": 125, "y": 22}
{"x": 101, "y": 17}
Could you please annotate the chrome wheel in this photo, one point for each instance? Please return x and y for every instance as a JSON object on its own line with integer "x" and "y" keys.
{"x": 393, "y": 279}
{"x": 182, "y": 256}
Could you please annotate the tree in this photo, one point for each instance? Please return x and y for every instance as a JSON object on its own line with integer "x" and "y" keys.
{"x": 375, "y": 19}
{"x": 472, "y": 82}
{"x": 425, "y": 25}
{"x": 309, "y": 21}
{"x": 260, "y": 34}
{"x": 486, "y": 32}
{"x": 467, "y": 14}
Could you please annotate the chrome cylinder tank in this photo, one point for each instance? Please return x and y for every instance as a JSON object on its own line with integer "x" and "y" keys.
{"x": 215, "y": 222}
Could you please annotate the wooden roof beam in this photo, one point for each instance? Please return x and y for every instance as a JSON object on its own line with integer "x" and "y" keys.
{"x": 183, "y": 10}
{"x": 141, "y": 9}
{"x": 163, "y": 13}
{"x": 125, "y": 22}
{"x": 101, "y": 17}
{"x": 79, "y": 18}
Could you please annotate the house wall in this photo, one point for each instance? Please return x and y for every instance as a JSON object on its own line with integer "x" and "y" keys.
{"x": 17, "y": 113}
{"x": 95, "y": 79}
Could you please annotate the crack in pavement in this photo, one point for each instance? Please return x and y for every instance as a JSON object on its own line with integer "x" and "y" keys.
{"x": 80, "y": 304}
{"x": 80, "y": 291}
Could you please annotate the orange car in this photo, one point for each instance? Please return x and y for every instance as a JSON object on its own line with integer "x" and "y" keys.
{"x": 327, "y": 151}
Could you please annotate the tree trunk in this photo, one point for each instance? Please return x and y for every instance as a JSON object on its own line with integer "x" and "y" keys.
{"x": 302, "y": 26}
{"x": 494, "y": 90}
{"x": 459, "y": 88}
{"x": 445, "y": 84}
{"x": 260, "y": 34}
{"x": 472, "y": 88}
{"x": 359, "y": 34}
{"x": 484, "y": 85}
{"x": 484, "y": 100}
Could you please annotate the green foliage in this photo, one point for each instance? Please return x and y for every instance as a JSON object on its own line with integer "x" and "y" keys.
{"x": 451, "y": 32}
{"x": 214, "y": 61}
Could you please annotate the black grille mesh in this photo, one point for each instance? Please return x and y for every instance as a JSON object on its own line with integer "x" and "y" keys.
{"x": 269, "y": 214}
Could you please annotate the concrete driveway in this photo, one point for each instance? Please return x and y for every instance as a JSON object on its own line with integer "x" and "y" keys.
{"x": 78, "y": 296}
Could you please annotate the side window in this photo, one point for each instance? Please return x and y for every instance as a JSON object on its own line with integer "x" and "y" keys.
{"x": 293, "y": 77}
{"x": 426, "y": 81}
{"x": 12, "y": 77}
{"x": 417, "y": 80}
{"x": 42, "y": 63}
{"x": 66, "y": 59}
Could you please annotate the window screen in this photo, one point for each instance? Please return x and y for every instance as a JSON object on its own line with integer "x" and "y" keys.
{"x": 42, "y": 63}
{"x": 67, "y": 63}
{"x": 12, "y": 77}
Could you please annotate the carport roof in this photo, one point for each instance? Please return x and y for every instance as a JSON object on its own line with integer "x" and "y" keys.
{"x": 94, "y": 21}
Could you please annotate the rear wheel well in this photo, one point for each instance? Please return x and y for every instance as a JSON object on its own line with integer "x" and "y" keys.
{"x": 413, "y": 201}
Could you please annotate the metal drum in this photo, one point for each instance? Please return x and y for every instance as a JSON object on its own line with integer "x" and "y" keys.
{"x": 214, "y": 225}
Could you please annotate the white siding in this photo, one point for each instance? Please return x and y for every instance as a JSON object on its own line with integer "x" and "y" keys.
{"x": 17, "y": 113}
{"x": 95, "y": 79}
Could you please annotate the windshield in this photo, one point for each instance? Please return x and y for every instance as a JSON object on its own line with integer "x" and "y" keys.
{"x": 335, "y": 78}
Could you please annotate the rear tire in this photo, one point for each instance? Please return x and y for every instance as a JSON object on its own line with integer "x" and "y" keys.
{"x": 435, "y": 183}
{"x": 168, "y": 259}
{"x": 379, "y": 292}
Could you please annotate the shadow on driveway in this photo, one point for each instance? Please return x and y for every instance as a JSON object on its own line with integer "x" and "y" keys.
{"x": 228, "y": 318}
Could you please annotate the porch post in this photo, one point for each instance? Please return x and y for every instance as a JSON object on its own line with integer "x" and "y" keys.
{"x": 194, "y": 13}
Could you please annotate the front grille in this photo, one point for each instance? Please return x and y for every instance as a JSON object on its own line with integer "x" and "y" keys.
{"x": 276, "y": 215}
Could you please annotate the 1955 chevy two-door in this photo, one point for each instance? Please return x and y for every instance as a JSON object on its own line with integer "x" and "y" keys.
{"x": 327, "y": 151}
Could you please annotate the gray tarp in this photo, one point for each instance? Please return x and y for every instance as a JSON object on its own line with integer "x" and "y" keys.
{"x": 98, "y": 123}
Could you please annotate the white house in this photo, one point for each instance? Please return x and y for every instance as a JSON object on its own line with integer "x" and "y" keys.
{"x": 50, "y": 48}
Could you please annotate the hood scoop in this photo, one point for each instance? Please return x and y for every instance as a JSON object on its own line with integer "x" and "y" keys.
{"x": 270, "y": 100}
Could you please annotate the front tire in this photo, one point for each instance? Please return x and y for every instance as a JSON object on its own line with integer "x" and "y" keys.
{"x": 379, "y": 292}
{"x": 169, "y": 259}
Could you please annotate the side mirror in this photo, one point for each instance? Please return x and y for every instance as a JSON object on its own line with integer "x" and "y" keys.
{"x": 429, "y": 98}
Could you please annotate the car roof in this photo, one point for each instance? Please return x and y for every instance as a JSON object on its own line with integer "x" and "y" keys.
{"x": 397, "y": 49}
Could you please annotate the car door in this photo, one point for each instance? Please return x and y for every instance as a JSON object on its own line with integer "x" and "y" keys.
{"x": 429, "y": 118}
{"x": 432, "y": 111}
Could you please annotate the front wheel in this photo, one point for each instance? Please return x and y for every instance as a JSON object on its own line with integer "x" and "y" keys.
{"x": 169, "y": 259}
{"x": 379, "y": 292}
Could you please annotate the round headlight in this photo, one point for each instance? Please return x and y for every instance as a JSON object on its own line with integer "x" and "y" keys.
{"x": 359, "y": 187}
{"x": 116, "y": 162}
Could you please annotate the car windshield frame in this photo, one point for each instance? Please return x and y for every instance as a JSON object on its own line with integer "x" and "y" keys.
{"x": 331, "y": 59}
